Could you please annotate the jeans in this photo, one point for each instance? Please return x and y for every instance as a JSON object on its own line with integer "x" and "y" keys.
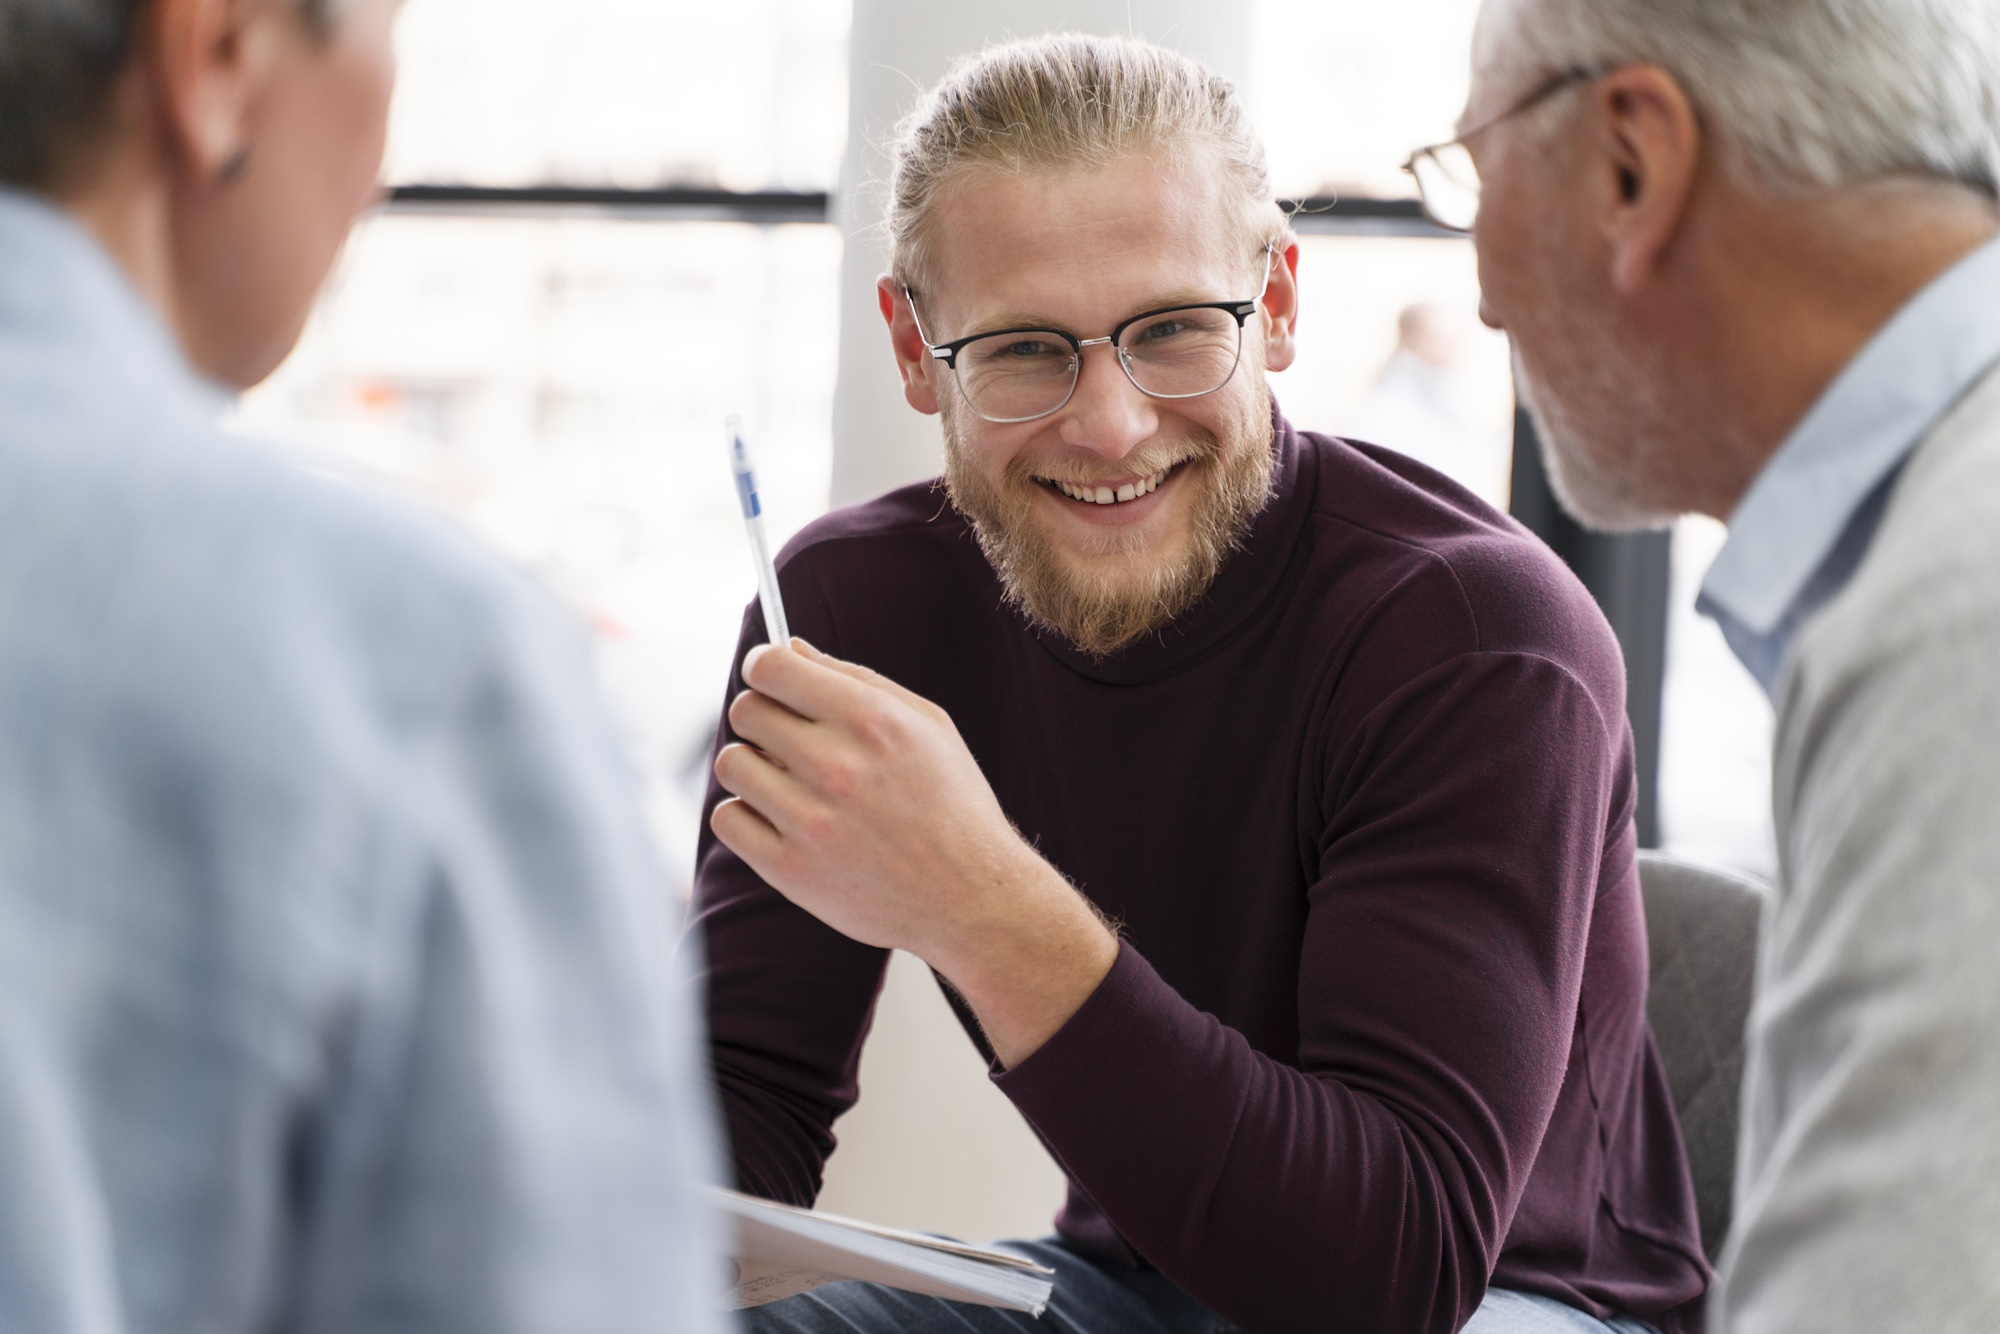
{"x": 1104, "y": 1299}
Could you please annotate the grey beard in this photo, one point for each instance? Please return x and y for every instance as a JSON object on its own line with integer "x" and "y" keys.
{"x": 1605, "y": 498}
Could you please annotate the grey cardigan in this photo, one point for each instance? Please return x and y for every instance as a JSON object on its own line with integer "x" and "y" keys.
{"x": 1868, "y": 1183}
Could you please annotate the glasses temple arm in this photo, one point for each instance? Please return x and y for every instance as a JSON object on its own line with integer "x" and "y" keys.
{"x": 935, "y": 350}
{"x": 1270, "y": 248}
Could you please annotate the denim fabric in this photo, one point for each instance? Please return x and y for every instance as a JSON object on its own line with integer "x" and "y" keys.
{"x": 1505, "y": 1312}
{"x": 1092, "y": 1298}
{"x": 334, "y": 962}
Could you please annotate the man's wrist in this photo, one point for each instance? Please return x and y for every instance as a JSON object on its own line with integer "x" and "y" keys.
{"x": 1029, "y": 962}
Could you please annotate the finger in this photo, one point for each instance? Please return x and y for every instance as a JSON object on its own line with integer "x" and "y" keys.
{"x": 865, "y": 676}
{"x": 808, "y": 687}
{"x": 816, "y": 755}
{"x": 749, "y": 835}
{"x": 768, "y": 725}
{"x": 845, "y": 668}
{"x": 748, "y": 774}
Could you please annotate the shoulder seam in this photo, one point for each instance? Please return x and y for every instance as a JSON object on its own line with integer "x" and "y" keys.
{"x": 1430, "y": 557}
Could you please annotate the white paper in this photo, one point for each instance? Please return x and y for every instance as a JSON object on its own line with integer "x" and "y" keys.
{"x": 782, "y": 1251}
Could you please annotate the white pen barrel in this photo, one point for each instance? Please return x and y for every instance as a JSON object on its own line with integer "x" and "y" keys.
{"x": 768, "y": 596}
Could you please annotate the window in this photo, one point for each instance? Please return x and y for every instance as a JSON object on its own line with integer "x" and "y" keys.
{"x": 555, "y": 379}
{"x": 557, "y": 382}
{"x": 1390, "y": 346}
{"x": 1343, "y": 92}
{"x": 748, "y": 95}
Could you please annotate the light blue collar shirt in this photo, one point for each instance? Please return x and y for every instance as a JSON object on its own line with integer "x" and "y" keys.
{"x": 337, "y": 985}
{"x": 1800, "y": 533}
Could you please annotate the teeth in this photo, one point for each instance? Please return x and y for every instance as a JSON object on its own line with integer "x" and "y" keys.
{"x": 1104, "y": 495}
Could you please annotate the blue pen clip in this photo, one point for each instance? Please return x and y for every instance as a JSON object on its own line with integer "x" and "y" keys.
{"x": 746, "y": 477}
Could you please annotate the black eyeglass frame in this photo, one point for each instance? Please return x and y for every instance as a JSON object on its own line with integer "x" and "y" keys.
{"x": 948, "y": 352}
{"x": 1548, "y": 88}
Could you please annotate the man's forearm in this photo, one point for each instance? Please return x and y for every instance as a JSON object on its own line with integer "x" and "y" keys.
{"x": 1031, "y": 962}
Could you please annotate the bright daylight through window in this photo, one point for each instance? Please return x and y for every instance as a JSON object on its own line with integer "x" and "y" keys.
{"x": 556, "y": 379}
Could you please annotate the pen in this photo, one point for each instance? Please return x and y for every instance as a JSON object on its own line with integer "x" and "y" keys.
{"x": 760, "y": 548}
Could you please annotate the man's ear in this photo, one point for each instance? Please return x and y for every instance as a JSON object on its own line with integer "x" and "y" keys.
{"x": 921, "y": 371}
{"x": 209, "y": 60}
{"x": 1281, "y": 308}
{"x": 1649, "y": 145}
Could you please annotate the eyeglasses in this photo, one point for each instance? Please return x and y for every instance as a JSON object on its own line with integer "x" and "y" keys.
{"x": 1019, "y": 375}
{"x": 1447, "y": 180}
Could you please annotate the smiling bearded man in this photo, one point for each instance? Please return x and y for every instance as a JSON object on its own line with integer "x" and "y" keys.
{"x": 1106, "y": 587}
{"x": 1340, "y": 750}
{"x": 1104, "y": 598}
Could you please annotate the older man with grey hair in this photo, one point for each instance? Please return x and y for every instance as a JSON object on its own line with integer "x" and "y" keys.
{"x": 1747, "y": 254}
{"x": 335, "y": 968}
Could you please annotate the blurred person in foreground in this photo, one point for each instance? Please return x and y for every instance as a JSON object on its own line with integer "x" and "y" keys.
{"x": 1747, "y": 255}
{"x": 1264, "y": 799}
{"x": 335, "y": 971}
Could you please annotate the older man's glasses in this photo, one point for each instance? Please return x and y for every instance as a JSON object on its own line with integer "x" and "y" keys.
{"x": 1019, "y": 375}
{"x": 1447, "y": 180}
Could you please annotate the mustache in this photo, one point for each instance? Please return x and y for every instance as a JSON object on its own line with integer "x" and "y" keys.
{"x": 1149, "y": 458}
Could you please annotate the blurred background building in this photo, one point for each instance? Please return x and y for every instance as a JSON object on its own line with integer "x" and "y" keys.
{"x": 633, "y": 217}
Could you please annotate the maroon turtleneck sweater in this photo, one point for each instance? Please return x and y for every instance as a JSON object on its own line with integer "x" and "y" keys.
{"x": 1377, "y": 1033}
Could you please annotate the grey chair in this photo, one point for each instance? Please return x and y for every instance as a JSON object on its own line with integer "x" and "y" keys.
{"x": 1702, "y": 925}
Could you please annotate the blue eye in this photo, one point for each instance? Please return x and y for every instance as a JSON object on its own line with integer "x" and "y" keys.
{"x": 1160, "y": 330}
{"x": 1018, "y": 352}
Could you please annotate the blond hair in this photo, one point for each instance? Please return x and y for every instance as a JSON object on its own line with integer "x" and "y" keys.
{"x": 1060, "y": 102}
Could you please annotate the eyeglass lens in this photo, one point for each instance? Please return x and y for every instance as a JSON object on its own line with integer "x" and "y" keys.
{"x": 1019, "y": 375}
{"x": 1448, "y": 183}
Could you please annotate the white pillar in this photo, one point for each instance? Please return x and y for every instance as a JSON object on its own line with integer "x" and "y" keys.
{"x": 932, "y": 1144}
{"x": 899, "y": 47}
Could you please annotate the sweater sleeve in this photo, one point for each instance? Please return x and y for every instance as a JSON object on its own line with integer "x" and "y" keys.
{"x": 1370, "y": 1185}
{"x": 789, "y": 998}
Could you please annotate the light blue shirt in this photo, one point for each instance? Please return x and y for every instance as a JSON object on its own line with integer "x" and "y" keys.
{"x": 337, "y": 986}
{"x": 1803, "y": 528}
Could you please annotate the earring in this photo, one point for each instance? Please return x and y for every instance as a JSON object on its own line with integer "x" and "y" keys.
{"x": 233, "y": 169}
